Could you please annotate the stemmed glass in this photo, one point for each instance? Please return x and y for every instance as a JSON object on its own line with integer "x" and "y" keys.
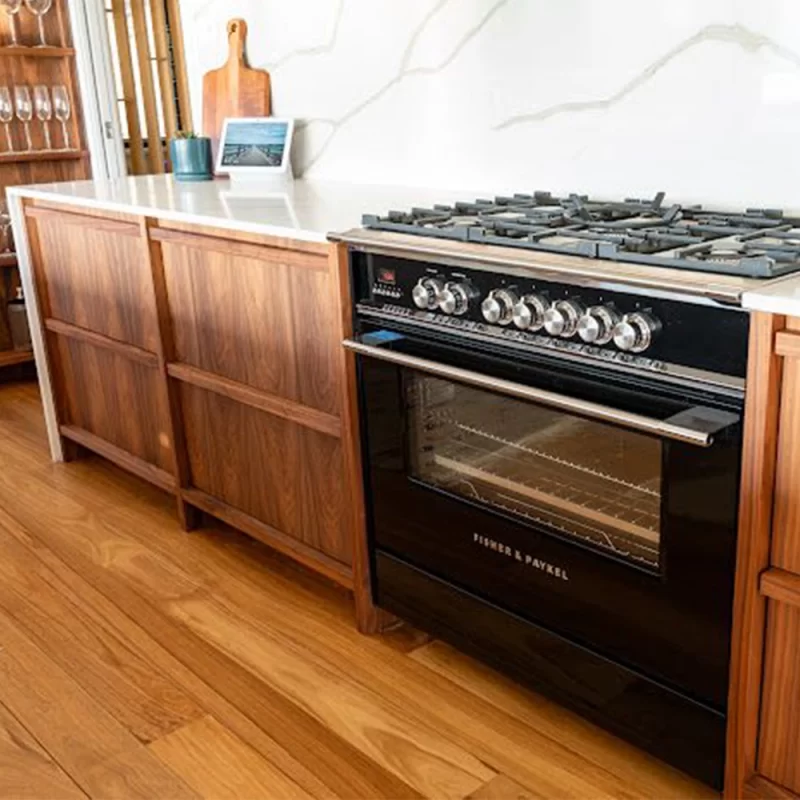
{"x": 12, "y": 8}
{"x": 39, "y": 8}
{"x": 5, "y": 227}
{"x": 63, "y": 109}
{"x": 44, "y": 111}
{"x": 6, "y": 114}
{"x": 24, "y": 106}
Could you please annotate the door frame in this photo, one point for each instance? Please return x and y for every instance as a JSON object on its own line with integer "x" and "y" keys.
{"x": 98, "y": 93}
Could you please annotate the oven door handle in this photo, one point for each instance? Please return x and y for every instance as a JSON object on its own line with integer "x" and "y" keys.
{"x": 696, "y": 425}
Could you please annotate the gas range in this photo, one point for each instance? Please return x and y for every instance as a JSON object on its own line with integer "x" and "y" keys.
{"x": 756, "y": 243}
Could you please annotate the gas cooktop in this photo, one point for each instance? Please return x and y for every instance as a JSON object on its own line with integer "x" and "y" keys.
{"x": 757, "y": 243}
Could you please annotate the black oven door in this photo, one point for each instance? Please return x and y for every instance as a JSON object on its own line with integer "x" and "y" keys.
{"x": 598, "y": 505}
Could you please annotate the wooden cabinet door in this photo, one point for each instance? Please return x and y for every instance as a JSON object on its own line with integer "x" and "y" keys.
{"x": 779, "y": 739}
{"x": 786, "y": 524}
{"x": 262, "y": 316}
{"x": 94, "y": 273}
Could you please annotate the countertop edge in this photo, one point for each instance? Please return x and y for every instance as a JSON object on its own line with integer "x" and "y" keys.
{"x": 223, "y": 223}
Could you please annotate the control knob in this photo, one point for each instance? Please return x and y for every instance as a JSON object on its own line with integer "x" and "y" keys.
{"x": 597, "y": 325}
{"x": 635, "y": 332}
{"x": 455, "y": 297}
{"x": 426, "y": 293}
{"x": 529, "y": 312}
{"x": 561, "y": 319}
{"x": 498, "y": 307}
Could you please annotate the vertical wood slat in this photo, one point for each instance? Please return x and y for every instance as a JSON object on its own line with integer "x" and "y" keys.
{"x": 181, "y": 78}
{"x": 128, "y": 87}
{"x": 159, "y": 19}
{"x": 187, "y": 514}
{"x": 764, "y": 378}
{"x": 155, "y": 150}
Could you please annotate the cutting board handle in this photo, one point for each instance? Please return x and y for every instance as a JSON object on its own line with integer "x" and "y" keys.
{"x": 237, "y": 33}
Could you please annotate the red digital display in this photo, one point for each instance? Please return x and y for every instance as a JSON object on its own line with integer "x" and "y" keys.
{"x": 387, "y": 275}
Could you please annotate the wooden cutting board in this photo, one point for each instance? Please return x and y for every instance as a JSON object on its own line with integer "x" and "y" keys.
{"x": 234, "y": 90}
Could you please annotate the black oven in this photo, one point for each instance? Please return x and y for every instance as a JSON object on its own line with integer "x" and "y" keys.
{"x": 570, "y": 523}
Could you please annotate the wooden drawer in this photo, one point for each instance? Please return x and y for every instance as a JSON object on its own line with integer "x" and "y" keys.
{"x": 114, "y": 398}
{"x": 283, "y": 474}
{"x": 786, "y": 525}
{"x": 94, "y": 273}
{"x": 262, "y": 316}
{"x": 779, "y": 740}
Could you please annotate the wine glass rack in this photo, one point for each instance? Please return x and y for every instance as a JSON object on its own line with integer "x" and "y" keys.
{"x": 29, "y": 65}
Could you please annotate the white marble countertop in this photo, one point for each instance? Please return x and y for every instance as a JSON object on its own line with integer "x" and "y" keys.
{"x": 308, "y": 210}
{"x": 780, "y": 297}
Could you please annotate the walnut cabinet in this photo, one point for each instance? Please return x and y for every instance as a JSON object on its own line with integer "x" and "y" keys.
{"x": 209, "y": 363}
{"x": 763, "y": 757}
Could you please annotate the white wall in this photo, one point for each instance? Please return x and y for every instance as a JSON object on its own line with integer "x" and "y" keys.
{"x": 700, "y": 98}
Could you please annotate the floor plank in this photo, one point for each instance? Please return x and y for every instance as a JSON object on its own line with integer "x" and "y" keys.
{"x": 114, "y": 675}
{"x": 26, "y": 771}
{"x": 219, "y": 766}
{"x": 262, "y": 672}
{"x": 98, "y": 754}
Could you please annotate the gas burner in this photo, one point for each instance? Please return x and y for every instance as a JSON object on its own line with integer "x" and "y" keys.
{"x": 757, "y": 243}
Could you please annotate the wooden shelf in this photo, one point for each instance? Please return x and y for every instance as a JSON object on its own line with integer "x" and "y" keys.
{"x": 9, "y": 357}
{"x": 37, "y": 52}
{"x": 21, "y": 156}
{"x": 8, "y": 259}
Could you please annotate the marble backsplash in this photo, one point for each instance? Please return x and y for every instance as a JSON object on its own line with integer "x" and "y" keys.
{"x": 700, "y": 98}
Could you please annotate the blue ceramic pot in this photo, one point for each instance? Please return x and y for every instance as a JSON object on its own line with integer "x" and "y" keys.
{"x": 191, "y": 159}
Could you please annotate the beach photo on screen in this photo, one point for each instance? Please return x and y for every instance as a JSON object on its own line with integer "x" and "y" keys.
{"x": 254, "y": 144}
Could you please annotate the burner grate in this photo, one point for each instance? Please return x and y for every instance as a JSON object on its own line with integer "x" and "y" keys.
{"x": 758, "y": 243}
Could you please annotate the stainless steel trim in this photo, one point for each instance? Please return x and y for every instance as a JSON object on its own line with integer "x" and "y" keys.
{"x": 661, "y": 428}
{"x": 688, "y": 286}
{"x": 674, "y": 374}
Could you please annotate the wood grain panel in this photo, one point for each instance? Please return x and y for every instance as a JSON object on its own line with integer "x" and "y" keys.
{"x": 95, "y": 275}
{"x": 787, "y": 344}
{"x": 757, "y": 787}
{"x": 786, "y": 537}
{"x": 262, "y": 323}
{"x": 27, "y": 772}
{"x": 105, "y": 757}
{"x": 219, "y": 766}
{"x": 779, "y": 740}
{"x": 274, "y": 470}
{"x": 764, "y": 371}
{"x": 128, "y": 351}
{"x": 114, "y": 398}
{"x": 124, "y": 683}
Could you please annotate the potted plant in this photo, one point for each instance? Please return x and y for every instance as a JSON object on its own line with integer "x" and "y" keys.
{"x": 191, "y": 157}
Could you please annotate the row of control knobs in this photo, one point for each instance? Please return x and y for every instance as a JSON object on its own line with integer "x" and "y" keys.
{"x": 596, "y": 325}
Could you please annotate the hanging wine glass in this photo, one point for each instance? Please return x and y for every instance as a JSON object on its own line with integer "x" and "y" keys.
{"x": 62, "y": 109}
{"x": 12, "y": 7}
{"x": 24, "y": 107}
{"x": 6, "y": 115}
{"x": 39, "y": 8}
{"x": 44, "y": 111}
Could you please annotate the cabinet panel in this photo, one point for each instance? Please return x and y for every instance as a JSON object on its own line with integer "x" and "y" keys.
{"x": 115, "y": 398}
{"x": 779, "y": 741}
{"x": 94, "y": 273}
{"x": 266, "y": 320}
{"x": 283, "y": 474}
{"x": 786, "y": 527}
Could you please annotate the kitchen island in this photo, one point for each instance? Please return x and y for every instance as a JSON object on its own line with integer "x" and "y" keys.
{"x": 191, "y": 335}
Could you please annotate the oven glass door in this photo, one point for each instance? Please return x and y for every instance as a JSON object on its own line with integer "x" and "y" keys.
{"x": 588, "y": 481}
{"x": 599, "y": 505}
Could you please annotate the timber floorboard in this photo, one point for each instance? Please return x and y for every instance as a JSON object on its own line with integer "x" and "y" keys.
{"x": 137, "y": 660}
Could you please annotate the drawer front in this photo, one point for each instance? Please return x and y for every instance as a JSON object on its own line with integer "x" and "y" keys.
{"x": 94, "y": 273}
{"x": 779, "y": 740}
{"x": 275, "y": 470}
{"x": 261, "y": 316}
{"x": 119, "y": 400}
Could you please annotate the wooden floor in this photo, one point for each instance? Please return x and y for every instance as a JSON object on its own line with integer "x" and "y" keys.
{"x": 137, "y": 661}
